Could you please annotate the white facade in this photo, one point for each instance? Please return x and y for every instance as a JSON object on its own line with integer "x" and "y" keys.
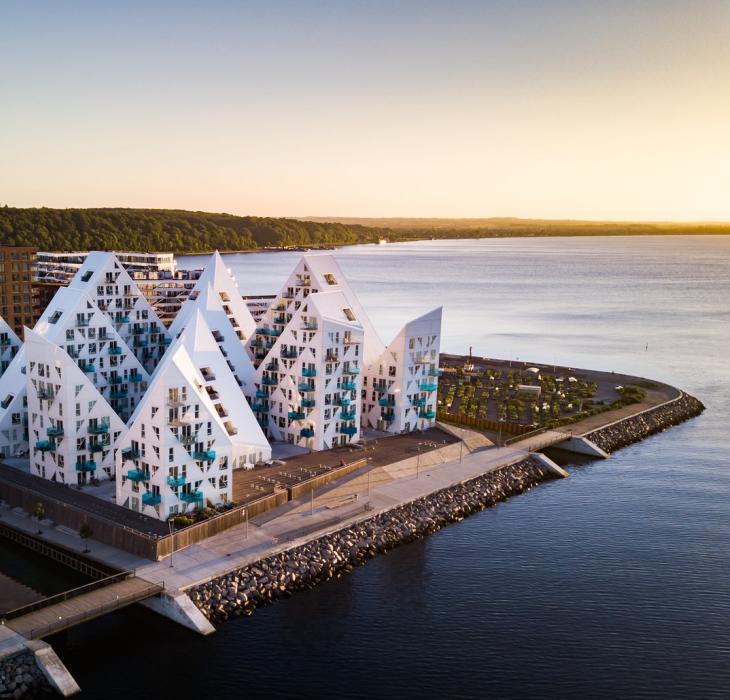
{"x": 192, "y": 429}
{"x": 103, "y": 278}
{"x": 400, "y": 389}
{"x": 9, "y": 345}
{"x": 13, "y": 410}
{"x": 71, "y": 428}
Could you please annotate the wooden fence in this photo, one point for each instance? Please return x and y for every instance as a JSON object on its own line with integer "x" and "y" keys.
{"x": 483, "y": 423}
{"x": 304, "y": 487}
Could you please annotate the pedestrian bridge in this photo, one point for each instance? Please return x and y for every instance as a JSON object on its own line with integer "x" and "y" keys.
{"x": 59, "y": 612}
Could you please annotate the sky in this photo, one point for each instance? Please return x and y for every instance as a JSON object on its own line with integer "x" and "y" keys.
{"x": 613, "y": 110}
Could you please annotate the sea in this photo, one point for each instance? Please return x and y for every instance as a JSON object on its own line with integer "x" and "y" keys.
{"x": 613, "y": 583}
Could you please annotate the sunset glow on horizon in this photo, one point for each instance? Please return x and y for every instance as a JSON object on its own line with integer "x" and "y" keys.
{"x": 565, "y": 109}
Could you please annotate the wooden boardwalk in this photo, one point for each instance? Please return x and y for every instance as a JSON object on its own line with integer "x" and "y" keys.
{"x": 86, "y": 606}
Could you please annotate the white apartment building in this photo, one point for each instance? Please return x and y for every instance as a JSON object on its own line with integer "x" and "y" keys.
{"x": 192, "y": 429}
{"x": 9, "y": 345}
{"x": 400, "y": 389}
{"x": 71, "y": 427}
{"x": 13, "y": 408}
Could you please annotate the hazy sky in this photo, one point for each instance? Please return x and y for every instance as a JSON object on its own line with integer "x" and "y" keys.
{"x": 606, "y": 109}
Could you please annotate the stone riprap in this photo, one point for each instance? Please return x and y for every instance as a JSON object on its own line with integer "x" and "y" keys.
{"x": 331, "y": 556}
{"x": 635, "y": 428}
{"x": 20, "y": 677}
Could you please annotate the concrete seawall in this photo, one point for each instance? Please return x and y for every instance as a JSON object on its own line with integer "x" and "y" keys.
{"x": 330, "y": 556}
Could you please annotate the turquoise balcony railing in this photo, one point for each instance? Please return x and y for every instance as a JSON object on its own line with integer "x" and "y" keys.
{"x": 307, "y": 433}
{"x": 115, "y": 379}
{"x": 191, "y": 496}
{"x": 98, "y": 429}
{"x": 88, "y": 367}
{"x": 151, "y": 499}
{"x": 118, "y": 394}
{"x": 272, "y": 366}
{"x": 343, "y": 401}
{"x": 204, "y": 455}
{"x": 175, "y": 481}
{"x": 269, "y": 380}
{"x": 115, "y": 350}
{"x": 165, "y": 340}
{"x": 135, "y": 377}
{"x": 88, "y": 466}
{"x": 386, "y": 401}
{"x": 280, "y": 320}
{"x": 290, "y": 354}
{"x": 348, "y": 430}
{"x": 348, "y": 415}
{"x": 45, "y": 446}
{"x": 428, "y": 387}
{"x": 261, "y": 394}
{"x": 138, "y": 475}
{"x": 308, "y": 403}
{"x": 309, "y": 372}
{"x": 305, "y": 387}
{"x": 97, "y": 447}
{"x": 130, "y": 453}
{"x": 387, "y": 416}
{"x": 82, "y": 321}
{"x": 141, "y": 342}
{"x": 435, "y": 372}
{"x": 348, "y": 386}
{"x": 351, "y": 370}
{"x": 260, "y": 355}
{"x": 54, "y": 432}
{"x": 257, "y": 343}
{"x": 296, "y": 415}
{"x": 418, "y": 403}
{"x": 430, "y": 415}
{"x": 259, "y": 408}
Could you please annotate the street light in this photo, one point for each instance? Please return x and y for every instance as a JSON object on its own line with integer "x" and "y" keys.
{"x": 172, "y": 540}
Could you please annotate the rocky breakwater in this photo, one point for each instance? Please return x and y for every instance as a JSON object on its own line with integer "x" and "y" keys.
{"x": 635, "y": 428}
{"x": 20, "y": 677}
{"x": 334, "y": 555}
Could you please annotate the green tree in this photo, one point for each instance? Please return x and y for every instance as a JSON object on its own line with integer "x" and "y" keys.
{"x": 86, "y": 532}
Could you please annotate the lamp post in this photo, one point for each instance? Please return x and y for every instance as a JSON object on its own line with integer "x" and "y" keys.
{"x": 172, "y": 540}
{"x": 418, "y": 463}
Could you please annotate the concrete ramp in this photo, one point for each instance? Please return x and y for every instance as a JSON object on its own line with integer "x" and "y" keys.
{"x": 582, "y": 446}
{"x": 552, "y": 466}
{"x": 176, "y": 606}
{"x": 473, "y": 440}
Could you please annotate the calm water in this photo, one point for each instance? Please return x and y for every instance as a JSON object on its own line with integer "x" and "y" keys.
{"x": 613, "y": 583}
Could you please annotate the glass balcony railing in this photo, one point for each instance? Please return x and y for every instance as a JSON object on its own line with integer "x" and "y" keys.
{"x": 418, "y": 403}
{"x": 305, "y": 387}
{"x": 351, "y": 370}
{"x": 307, "y": 433}
{"x": 290, "y": 354}
{"x": 191, "y": 496}
{"x": 135, "y": 377}
{"x": 308, "y": 403}
{"x": 151, "y": 499}
{"x": 204, "y": 455}
{"x": 348, "y": 415}
{"x": 348, "y": 386}
{"x": 386, "y": 401}
{"x": 98, "y": 429}
{"x": 88, "y": 466}
{"x": 261, "y": 394}
{"x": 428, "y": 387}
{"x": 309, "y": 372}
{"x": 175, "y": 481}
{"x": 435, "y": 372}
{"x": 429, "y": 415}
{"x": 130, "y": 453}
{"x": 296, "y": 415}
{"x": 97, "y": 447}
{"x": 138, "y": 475}
{"x": 348, "y": 430}
{"x": 268, "y": 380}
{"x": 343, "y": 401}
{"x": 259, "y": 408}
{"x": 45, "y": 445}
{"x": 115, "y": 350}
{"x": 54, "y": 432}
{"x": 88, "y": 367}
{"x": 118, "y": 394}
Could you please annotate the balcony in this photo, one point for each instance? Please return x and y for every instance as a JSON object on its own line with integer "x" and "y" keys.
{"x": 151, "y": 499}
{"x": 307, "y": 433}
{"x": 290, "y": 354}
{"x": 130, "y": 453}
{"x": 175, "y": 481}
{"x": 97, "y": 447}
{"x": 54, "y": 432}
{"x": 165, "y": 340}
{"x": 429, "y": 415}
{"x": 45, "y": 446}
{"x": 115, "y": 379}
{"x": 387, "y": 416}
{"x": 305, "y": 387}
{"x": 308, "y": 403}
{"x": 257, "y": 343}
{"x": 124, "y": 318}
{"x": 267, "y": 380}
{"x": 88, "y": 466}
{"x": 261, "y": 394}
{"x": 138, "y": 475}
{"x": 176, "y": 402}
{"x": 309, "y": 325}
{"x": 386, "y": 401}
{"x": 191, "y": 496}
{"x": 204, "y": 455}
{"x": 272, "y": 366}
{"x": 46, "y": 394}
{"x": 351, "y": 370}
{"x": 435, "y": 372}
{"x": 115, "y": 350}
{"x": 98, "y": 429}
{"x": 348, "y": 386}
{"x": 428, "y": 387}
{"x": 118, "y": 394}
{"x": 418, "y": 403}
{"x": 88, "y": 367}
{"x": 188, "y": 439}
{"x": 4, "y": 342}
{"x": 296, "y": 415}
{"x": 82, "y": 322}
{"x": 135, "y": 377}
{"x": 141, "y": 342}
{"x": 259, "y": 408}
{"x": 280, "y": 320}
{"x": 343, "y": 401}
{"x": 348, "y": 430}
{"x": 348, "y": 415}
{"x": 309, "y": 372}
{"x": 261, "y": 355}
